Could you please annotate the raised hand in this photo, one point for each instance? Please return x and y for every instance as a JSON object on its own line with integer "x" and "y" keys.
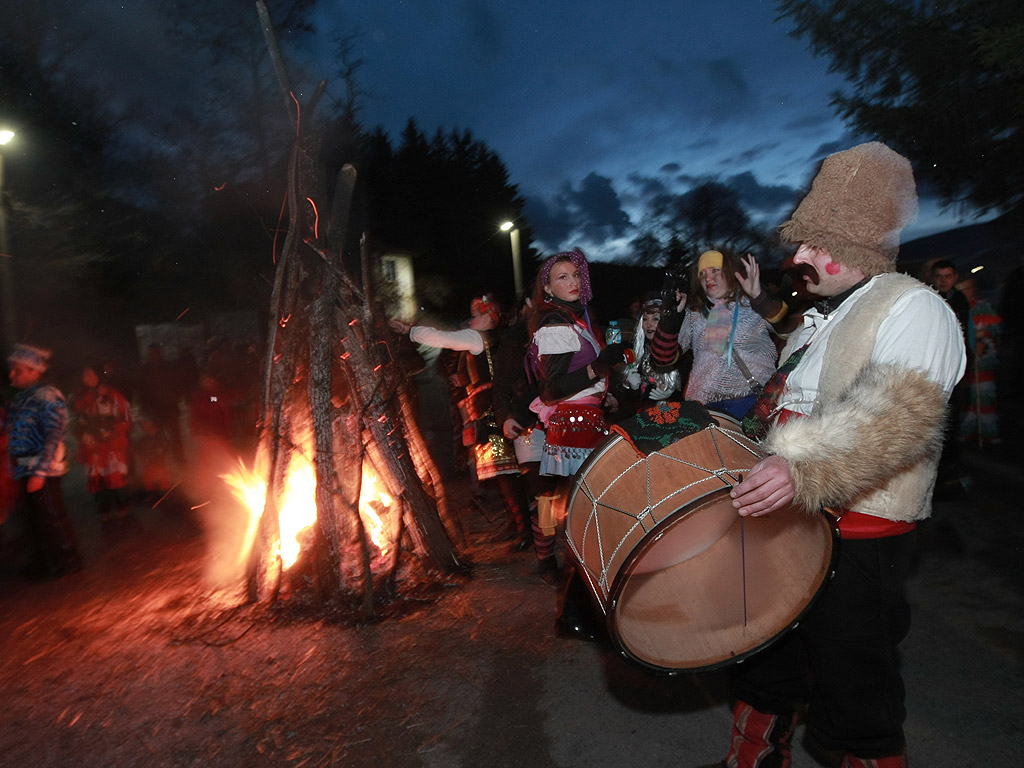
{"x": 750, "y": 282}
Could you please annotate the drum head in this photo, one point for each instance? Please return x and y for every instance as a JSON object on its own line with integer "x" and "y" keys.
{"x": 708, "y": 588}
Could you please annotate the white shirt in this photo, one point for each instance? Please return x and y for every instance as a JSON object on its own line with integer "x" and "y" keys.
{"x": 464, "y": 340}
{"x": 921, "y": 332}
{"x": 563, "y": 339}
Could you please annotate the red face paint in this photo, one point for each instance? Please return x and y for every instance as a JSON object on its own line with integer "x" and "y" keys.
{"x": 832, "y": 268}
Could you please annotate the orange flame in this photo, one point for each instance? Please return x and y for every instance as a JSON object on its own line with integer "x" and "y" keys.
{"x": 298, "y": 506}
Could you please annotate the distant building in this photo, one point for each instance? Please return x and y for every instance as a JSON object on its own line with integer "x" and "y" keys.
{"x": 396, "y": 284}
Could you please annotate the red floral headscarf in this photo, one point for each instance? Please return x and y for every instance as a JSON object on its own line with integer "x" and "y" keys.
{"x": 485, "y": 305}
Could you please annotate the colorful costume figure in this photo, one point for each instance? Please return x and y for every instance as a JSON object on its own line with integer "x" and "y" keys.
{"x": 492, "y": 453}
{"x": 36, "y": 425}
{"x": 733, "y": 350}
{"x": 572, "y": 368}
{"x": 655, "y": 376}
{"x": 567, "y": 351}
{"x": 855, "y": 421}
{"x": 103, "y": 422}
{"x": 980, "y": 421}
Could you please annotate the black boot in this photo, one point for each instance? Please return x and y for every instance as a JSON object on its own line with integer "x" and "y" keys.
{"x": 577, "y": 617}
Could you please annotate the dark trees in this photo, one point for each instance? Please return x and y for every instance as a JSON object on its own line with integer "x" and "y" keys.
{"x": 73, "y": 255}
{"x": 942, "y": 82}
{"x": 679, "y": 227}
{"x": 445, "y": 200}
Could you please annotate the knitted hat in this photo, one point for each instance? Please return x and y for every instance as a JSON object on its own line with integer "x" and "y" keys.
{"x": 859, "y": 202}
{"x": 33, "y": 357}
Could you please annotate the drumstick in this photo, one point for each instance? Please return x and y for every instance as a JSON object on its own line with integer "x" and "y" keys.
{"x": 743, "y": 558}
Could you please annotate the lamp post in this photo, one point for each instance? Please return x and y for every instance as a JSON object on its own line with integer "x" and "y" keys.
{"x": 6, "y": 280}
{"x": 517, "y": 264}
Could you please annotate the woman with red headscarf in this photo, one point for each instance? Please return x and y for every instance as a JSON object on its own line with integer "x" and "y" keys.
{"x": 493, "y": 454}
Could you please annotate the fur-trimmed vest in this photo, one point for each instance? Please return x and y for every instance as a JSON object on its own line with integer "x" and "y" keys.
{"x": 873, "y": 438}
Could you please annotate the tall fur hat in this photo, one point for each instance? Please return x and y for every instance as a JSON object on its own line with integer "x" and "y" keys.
{"x": 859, "y": 203}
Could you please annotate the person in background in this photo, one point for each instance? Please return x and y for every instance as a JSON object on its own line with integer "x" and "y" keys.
{"x": 654, "y": 373}
{"x": 728, "y": 332}
{"x": 980, "y": 419}
{"x": 102, "y": 425}
{"x": 514, "y": 390}
{"x": 211, "y": 426}
{"x": 492, "y": 453}
{"x": 159, "y": 396}
{"x": 36, "y": 424}
{"x": 152, "y": 459}
{"x": 851, "y": 421}
{"x": 944, "y": 278}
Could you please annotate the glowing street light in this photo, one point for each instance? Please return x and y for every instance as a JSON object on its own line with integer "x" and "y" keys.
{"x": 517, "y": 264}
{"x": 6, "y": 282}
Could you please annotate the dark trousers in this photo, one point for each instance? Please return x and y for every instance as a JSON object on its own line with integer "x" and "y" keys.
{"x": 50, "y": 528}
{"x": 842, "y": 659}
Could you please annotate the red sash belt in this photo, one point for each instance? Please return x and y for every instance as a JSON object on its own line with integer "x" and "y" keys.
{"x": 858, "y": 525}
{"x": 576, "y": 426}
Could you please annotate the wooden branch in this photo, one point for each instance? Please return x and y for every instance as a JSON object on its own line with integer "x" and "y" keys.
{"x": 278, "y": 63}
{"x": 341, "y": 209}
{"x": 276, "y": 302}
{"x": 318, "y": 388}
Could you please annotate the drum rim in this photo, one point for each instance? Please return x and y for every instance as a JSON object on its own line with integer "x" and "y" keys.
{"x": 626, "y": 570}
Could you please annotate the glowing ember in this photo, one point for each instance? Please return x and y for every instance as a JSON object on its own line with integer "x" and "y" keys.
{"x": 298, "y": 507}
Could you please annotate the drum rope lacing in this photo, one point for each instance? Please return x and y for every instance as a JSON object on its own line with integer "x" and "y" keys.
{"x": 648, "y": 511}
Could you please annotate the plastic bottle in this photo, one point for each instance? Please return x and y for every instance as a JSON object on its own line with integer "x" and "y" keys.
{"x": 613, "y": 334}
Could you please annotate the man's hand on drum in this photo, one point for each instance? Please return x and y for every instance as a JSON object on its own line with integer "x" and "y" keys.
{"x": 767, "y": 487}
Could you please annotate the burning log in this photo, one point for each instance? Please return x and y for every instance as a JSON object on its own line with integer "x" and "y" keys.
{"x": 336, "y": 421}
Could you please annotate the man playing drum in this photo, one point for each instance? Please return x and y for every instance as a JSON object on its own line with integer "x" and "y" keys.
{"x": 853, "y": 420}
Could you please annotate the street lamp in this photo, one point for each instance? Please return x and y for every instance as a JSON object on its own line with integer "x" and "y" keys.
{"x": 6, "y": 282}
{"x": 517, "y": 264}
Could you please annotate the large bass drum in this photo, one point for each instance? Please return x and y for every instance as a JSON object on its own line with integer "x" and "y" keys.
{"x": 684, "y": 582}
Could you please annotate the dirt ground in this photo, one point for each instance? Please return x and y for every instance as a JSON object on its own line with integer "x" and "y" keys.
{"x": 137, "y": 661}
